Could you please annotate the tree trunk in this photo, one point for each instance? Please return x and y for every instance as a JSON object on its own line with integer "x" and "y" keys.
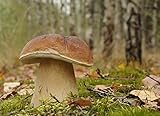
{"x": 89, "y": 6}
{"x": 134, "y": 38}
{"x": 154, "y": 32}
{"x": 119, "y": 41}
{"x": 150, "y": 29}
{"x": 108, "y": 27}
{"x": 82, "y": 11}
{"x": 72, "y": 18}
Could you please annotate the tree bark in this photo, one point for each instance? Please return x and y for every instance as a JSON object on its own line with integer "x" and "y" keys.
{"x": 119, "y": 41}
{"x": 150, "y": 29}
{"x": 89, "y": 6}
{"x": 134, "y": 38}
{"x": 72, "y": 18}
{"x": 108, "y": 27}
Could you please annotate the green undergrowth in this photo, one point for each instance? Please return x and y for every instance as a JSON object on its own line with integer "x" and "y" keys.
{"x": 100, "y": 106}
{"x": 131, "y": 77}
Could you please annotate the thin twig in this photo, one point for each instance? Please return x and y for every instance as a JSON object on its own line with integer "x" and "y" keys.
{"x": 153, "y": 79}
{"x": 99, "y": 73}
{"x": 54, "y": 98}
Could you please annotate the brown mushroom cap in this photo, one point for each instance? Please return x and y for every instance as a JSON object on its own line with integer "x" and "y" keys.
{"x": 70, "y": 49}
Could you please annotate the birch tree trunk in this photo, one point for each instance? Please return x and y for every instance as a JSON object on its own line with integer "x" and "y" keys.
{"x": 83, "y": 21}
{"x": 154, "y": 32}
{"x": 108, "y": 27}
{"x": 118, "y": 20}
{"x": 62, "y": 16}
{"x": 119, "y": 41}
{"x": 39, "y": 12}
{"x": 89, "y": 6}
{"x": 72, "y": 20}
{"x": 134, "y": 38}
{"x": 96, "y": 27}
{"x": 150, "y": 25}
{"x": 52, "y": 20}
{"x": 66, "y": 19}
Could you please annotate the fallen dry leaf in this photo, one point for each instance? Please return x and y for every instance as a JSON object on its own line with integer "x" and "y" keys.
{"x": 153, "y": 105}
{"x": 145, "y": 95}
{"x": 9, "y": 86}
{"x": 25, "y": 91}
{"x": 100, "y": 87}
{"x": 129, "y": 100}
{"x": 101, "y": 75}
{"x": 116, "y": 86}
{"x": 102, "y": 90}
{"x": 150, "y": 81}
{"x": 93, "y": 75}
{"x": 21, "y": 73}
{"x": 7, "y": 95}
{"x": 80, "y": 102}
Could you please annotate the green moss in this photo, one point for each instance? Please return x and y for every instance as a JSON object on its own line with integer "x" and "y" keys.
{"x": 13, "y": 104}
{"x": 131, "y": 78}
{"x": 134, "y": 111}
{"x": 128, "y": 72}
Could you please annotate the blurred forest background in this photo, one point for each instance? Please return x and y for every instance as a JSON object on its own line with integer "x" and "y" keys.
{"x": 121, "y": 30}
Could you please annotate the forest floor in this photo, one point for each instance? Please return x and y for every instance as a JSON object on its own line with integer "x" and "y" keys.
{"x": 100, "y": 92}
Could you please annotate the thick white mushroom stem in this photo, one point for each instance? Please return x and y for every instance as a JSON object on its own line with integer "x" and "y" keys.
{"x": 56, "y": 78}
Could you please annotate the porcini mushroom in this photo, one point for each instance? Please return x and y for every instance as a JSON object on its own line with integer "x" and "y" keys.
{"x": 55, "y": 75}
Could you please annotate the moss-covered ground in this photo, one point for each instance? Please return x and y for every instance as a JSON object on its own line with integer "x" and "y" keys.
{"x": 129, "y": 78}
